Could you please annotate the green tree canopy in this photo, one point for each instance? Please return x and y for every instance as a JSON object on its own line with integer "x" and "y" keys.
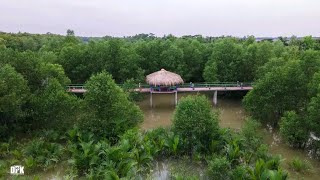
{"x": 195, "y": 122}
{"x": 54, "y": 107}
{"x": 49, "y": 71}
{"x": 228, "y": 57}
{"x": 110, "y": 113}
{"x": 14, "y": 93}
{"x": 313, "y": 115}
{"x": 294, "y": 129}
{"x": 281, "y": 89}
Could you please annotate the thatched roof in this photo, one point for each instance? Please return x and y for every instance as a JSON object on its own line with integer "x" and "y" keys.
{"x": 164, "y": 77}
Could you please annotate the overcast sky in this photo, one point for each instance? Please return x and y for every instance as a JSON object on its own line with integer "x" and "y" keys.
{"x": 177, "y": 17}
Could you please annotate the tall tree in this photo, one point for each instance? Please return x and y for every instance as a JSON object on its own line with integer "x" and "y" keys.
{"x": 281, "y": 89}
{"x": 257, "y": 54}
{"x": 14, "y": 94}
{"x": 228, "y": 57}
{"x": 54, "y": 107}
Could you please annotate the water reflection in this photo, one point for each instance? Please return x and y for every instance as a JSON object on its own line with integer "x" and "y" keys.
{"x": 161, "y": 171}
{"x": 167, "y": 169}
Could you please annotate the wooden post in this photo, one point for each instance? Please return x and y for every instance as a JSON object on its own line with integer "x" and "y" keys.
{"x": 150, "y": 98}
{"x": 215, "y": 98}
{"x": 176, "y": 98}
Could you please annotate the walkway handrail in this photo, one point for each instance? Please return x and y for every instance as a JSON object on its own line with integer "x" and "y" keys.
{"x": 185, "y": 85}
{"x": 75, "y": 86}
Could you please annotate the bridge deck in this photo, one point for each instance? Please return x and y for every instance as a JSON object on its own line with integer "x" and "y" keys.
{"x": 183, "y": 89}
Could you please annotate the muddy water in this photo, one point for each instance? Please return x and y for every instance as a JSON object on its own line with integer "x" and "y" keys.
{"x": 276, "y": 146}
{"x": 160, "y": 115}
{"x": 231, "y": 115}
{"x": 166, "y": 169}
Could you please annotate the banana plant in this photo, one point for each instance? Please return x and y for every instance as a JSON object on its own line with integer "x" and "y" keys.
{"x": 30, "y": 164}
{"x": 85, "y": 156}
{"x": 274, "y": 175}
{"x": 45, "y": 154}
{"x": 17, "y": 154}
{"x": 233, "y": 152}
{"x": 214, "y": 145}
{"x": 274, "y": 163}
{"x": 157, "y": 138}
{"x": 261, "y": 171}
{"x": 172, "y": 143}
{"x": 143, "y": 159}
{"x": 4, "y": 149}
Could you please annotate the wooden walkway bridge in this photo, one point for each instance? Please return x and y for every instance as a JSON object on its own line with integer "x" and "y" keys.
{"x": 191, "y": 87}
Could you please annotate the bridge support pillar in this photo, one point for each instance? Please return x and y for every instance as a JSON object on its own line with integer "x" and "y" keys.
{"x": 176, "y": 98}
{"x": 150, "y": 98}
{"x": 215, "y": 98}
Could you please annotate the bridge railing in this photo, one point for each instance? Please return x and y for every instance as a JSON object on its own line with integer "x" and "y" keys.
{"x": 75, "y": 86}
{"x": 185, "y": 85}
{"x": 217, "y": 84}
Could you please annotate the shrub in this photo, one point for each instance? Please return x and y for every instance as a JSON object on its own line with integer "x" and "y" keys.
{"x": 42, "y": 154}
{"x": 195, "y": 123}
{"x": 130, "y": 157}
{"x": 172, "y": 144}
{"x": 164, "y": 142}
{"x": 109, "y": 112}
{"x": 252, "y": 138}
{"x": 54, "y": 108}
{"x": 219, "y": 168}
{"x": 128, "y": 86}
{"x": 4, "y": 149}
{"x": 240, "y": 172}
{"x": 132, "y": 142}
{"x": 14, "y": 93}
{"x": 299, "y": 165}
{"x": 4, "y": 168}
{"x": 85, "y": 155}
{"x": 233, "y": 152}
{"x": 158, "y": 140}
{"x": 267, "y": 170}
{"x": 293, "y": 129}
{"x": 262, "y": 152}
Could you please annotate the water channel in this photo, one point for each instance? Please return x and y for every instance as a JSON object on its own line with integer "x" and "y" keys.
{"x": 231, "y": 115}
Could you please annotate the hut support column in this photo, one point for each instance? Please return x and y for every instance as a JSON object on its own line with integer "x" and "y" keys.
{"x": 150, "y": 98}
{"x": 176, "y": 98}
{"x": 215, "y": 99}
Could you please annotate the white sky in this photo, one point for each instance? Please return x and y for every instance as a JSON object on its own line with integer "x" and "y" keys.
{"x": 178, "y": 17}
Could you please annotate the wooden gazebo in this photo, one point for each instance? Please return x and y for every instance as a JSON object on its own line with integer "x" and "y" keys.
{"x": 163, "y": 82}
{"x": 163, "y": 78}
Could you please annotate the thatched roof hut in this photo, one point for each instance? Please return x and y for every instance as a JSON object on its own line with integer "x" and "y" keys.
{"x": 164, "y": 78}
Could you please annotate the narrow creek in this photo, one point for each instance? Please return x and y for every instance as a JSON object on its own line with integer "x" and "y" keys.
{"x": 231, "y": 115}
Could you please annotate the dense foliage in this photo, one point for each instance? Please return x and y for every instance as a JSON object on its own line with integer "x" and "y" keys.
{"x": 195, "y": 122}
{"x": 133, "y": 155}
{"x": 286, "y": 95}
{"x": 34, "y": 70}
{"x": 110, "y": 113}
{"x": 14, "y": 94}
